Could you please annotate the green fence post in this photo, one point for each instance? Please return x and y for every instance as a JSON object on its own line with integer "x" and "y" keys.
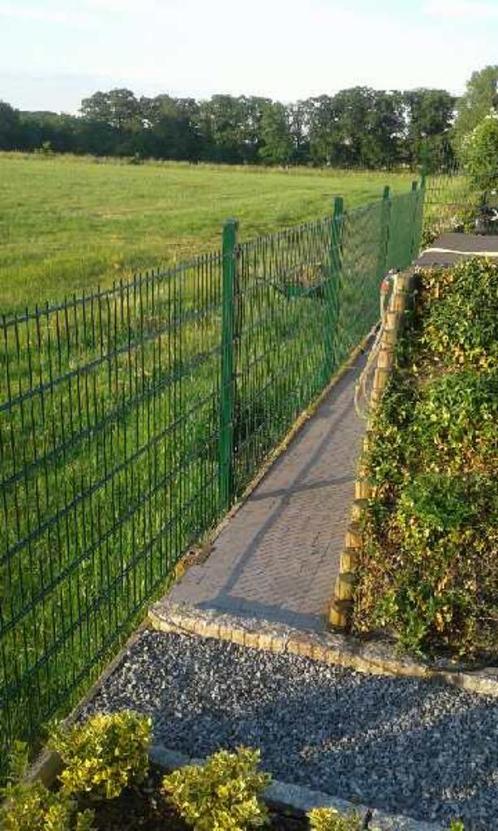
{"x": 227, "y": 383}
{"x": 333, "y": 295}
{"x": 421, "y": 208}
{"x": 385, "y": 220}
{"x": 415, "y": 235}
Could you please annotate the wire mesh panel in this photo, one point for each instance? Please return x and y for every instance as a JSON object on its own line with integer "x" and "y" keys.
{"x": 108, "y": 452}
{"x": 283, "y": 345}
{"x": 130, "y": 420}
{"x": 450, "y": 196}
{"x": 364, "y": 240}
{"x": 402, "y": 229}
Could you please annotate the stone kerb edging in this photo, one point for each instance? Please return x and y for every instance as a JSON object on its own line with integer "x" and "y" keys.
{"x": 376, "y": 657}
{"x": 298, "y": 800}
{"x": 341, "y": 605}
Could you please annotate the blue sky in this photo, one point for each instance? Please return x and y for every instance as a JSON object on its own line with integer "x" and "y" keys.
{"x": 54, "y": 52}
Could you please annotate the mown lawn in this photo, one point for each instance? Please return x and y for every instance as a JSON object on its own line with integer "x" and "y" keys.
{"x": 68, "y": 224}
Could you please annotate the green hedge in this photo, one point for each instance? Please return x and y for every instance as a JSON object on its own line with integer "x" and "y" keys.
{"x": 429, "y": 568}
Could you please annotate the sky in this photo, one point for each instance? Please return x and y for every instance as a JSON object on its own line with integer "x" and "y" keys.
{"x": 53, "y": 53}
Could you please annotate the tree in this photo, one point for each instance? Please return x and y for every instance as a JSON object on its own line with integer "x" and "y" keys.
{"x": 275, "y": 134}
{"x": 299, "y": 131}
{"x": 254, "y": 107}
{"x": 480, "y": 97}
{"x": 355, "y": 127}
{"x": 171, "y": 127}
{"x": 326, "y": 145}
{"x": 354, "y": 107}
{"x": 231, "y": 127}
{"x": 57, "y": 130}
{"x": 119, "y": 108}
{"x": 9, "y": 127}
{"x": 222, "y": 120}
{"x": 430, "y": 114}
{"x": 480, "y": 153}
{"x": 358, "y": 126}
{"x": 382, "y": 138}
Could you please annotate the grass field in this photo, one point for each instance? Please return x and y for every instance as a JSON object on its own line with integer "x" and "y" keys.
{"x": 68, "y": 224}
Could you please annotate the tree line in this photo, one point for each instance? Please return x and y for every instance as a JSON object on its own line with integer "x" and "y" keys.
{"x": 355, "y": 127}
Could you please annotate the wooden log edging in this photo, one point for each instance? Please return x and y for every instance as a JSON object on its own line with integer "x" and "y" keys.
{"x": 341, "y": 604}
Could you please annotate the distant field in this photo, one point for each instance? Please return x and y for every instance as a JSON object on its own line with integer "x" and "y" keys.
{"x": 69, "y": 224}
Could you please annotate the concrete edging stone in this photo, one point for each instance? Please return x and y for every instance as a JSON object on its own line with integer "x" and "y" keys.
{"x": 299, "y": 800}
{"x": 376, "y": 657}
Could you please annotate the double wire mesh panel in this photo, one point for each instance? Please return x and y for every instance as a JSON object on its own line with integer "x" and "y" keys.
{"x": 451, "y": 201}
{"x": 108, "y": 453}
{"x": 131, "y": 419}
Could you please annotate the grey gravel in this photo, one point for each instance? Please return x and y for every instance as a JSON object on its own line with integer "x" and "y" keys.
{"x": 400, "y": 745}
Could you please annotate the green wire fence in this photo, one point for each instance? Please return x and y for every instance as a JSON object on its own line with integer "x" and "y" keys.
{"x": 453, "y": 201}
{"x": 131, "y": 419}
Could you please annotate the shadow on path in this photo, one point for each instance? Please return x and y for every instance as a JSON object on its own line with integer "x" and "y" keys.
{"x": 278, "y": 557}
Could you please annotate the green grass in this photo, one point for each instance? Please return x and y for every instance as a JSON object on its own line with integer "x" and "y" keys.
{"x": 68, "y": 224}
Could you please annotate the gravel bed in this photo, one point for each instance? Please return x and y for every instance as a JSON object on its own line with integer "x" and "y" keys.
{"x": 402, "y": 745}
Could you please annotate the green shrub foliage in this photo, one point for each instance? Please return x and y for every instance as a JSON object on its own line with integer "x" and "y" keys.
{"x": 460, "y": 316}
{"x": 429, "y": 569}
{"x": 480, "y": 152}
{"x": 104, "y": 755}
{"x": 328, "y": 819}
{"x": 30, "y": 806}
{"x": 221, "y": 795}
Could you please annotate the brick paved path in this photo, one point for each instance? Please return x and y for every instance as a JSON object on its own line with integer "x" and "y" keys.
{"x": 450, "y": 248}
{"x": 278, "y": 557}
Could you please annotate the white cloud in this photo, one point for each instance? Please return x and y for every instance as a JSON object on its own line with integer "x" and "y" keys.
{"x": 123, "y": 6}
{"x": 467, "y": 10}
{"x": 45, "y": 15}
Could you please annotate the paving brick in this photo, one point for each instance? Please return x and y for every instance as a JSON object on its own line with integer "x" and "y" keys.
{"x": 278, "y": 557}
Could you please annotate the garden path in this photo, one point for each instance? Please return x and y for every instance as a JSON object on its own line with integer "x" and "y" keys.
{"x": 277, "y": 558}
{"x": 450, "y": 248}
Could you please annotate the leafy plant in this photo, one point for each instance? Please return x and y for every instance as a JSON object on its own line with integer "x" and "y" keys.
{"x": 442, "y": 529}
{"x": 30, "y": 806}
{"x": 221, "y": 795}
{"x": 429, "y": 568}
{"x": 480, "y": 152}
{"x": 104, "y": 755}
{"x": 461, "y": 323}
{"x": 454, "y": 424}
{"x": 328, "y": 819}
